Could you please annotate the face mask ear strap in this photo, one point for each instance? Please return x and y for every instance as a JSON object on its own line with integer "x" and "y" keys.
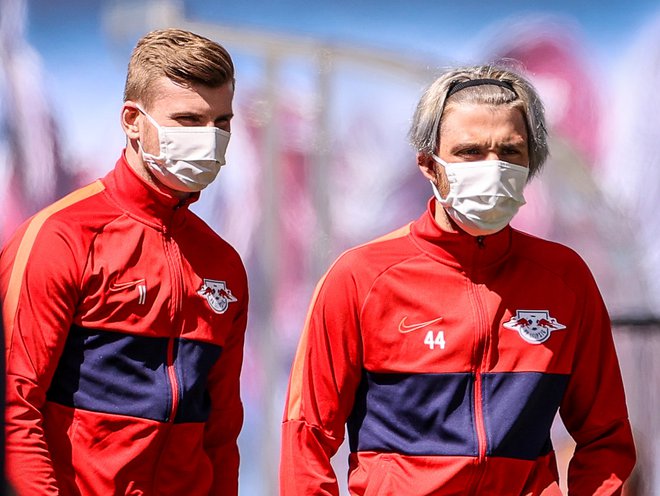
{"x": 147, "y": 156}
{"x": 439, "y": 160}
{"x": 436, "y": 193}
{"x": 144, "y": 112}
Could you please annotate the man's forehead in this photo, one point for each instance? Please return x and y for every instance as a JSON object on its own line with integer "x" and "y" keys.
{"x": 195, "y": 97}
{"x": 472, "y": 121}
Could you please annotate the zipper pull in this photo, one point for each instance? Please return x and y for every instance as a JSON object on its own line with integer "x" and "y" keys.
{"x": 480, "y": 241}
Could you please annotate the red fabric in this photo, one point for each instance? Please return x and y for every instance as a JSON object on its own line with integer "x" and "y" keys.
{"x": 66, "y": 266}
{"x": 420, "y": 273}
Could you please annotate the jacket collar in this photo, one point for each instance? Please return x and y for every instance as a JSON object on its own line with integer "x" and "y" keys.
{"x": 458, "y": 248}
{"x": 141, "y": 199}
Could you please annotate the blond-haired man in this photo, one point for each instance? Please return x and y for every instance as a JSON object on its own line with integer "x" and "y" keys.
{"x": 124, "y": 312}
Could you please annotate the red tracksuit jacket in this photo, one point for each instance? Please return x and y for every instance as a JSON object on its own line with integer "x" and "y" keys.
{"x": 448, "y": 356}
{"x": 124, "y": 319}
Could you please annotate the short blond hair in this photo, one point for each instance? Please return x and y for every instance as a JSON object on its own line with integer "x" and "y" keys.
{"x": 184, "y": 57}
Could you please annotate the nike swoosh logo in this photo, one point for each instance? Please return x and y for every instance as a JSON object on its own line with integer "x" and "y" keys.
{"x": 404, "y": 328}
{"x": 125, "y": 285}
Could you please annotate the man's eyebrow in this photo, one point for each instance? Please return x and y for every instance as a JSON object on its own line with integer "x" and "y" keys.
{"x": 185, "y": 113}
{"x": 466, "y": 144}
{"x": 199, "y": 115}
{"x": 515, "y": 143}
{"x": 470, "y": 143}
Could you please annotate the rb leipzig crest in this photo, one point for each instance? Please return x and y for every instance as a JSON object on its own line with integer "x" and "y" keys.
{"x": 534, "y": 326}
{"x": 217, "y": 294}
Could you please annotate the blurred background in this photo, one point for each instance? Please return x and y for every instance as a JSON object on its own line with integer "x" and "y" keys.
{"x": 319, "y": 160}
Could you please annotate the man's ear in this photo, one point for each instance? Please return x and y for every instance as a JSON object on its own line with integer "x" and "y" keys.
{"x": 426, "y": 164}
{"x": 129, "y": 117}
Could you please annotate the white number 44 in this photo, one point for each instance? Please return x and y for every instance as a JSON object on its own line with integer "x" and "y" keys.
{"x": 433, "y": 340}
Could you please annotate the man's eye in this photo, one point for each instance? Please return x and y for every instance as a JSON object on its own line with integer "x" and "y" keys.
{"x": 187, "y": 120}
{"x": 511, "y": 151}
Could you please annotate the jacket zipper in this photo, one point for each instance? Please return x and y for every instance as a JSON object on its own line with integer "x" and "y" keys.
{"x": 480, "y": 353}
{"x": 174, "y": 262}
{"x": 174, "y": 383}
{"x": 478, "y": 383}
{"x": 177, "y": 284}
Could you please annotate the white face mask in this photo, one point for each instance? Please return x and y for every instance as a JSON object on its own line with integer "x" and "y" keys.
{"x": 483, "y": 196}
{"x": 190, "y": 156}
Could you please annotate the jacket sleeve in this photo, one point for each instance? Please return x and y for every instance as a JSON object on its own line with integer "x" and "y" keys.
{"x": 325, "y": 375}
{"x": 38, "y": 283}
{"x": 226, "y": 416}
{"x": 594, "y": 406}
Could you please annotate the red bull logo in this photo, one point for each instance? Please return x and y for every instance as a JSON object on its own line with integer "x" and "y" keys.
{"x": 534, "y": 326}
{"x": 217, "y": 294}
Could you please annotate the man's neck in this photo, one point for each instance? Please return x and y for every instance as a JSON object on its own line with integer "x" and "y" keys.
{"x": 442, "y": 219}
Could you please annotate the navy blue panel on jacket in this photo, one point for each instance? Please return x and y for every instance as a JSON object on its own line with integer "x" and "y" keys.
{"x": 519, "y": 408}
{"x": 126, "y": 374}
{"x": 414, "y": 414}
{"x": 194, "y": 360}
{"x": 433, "y": 414}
